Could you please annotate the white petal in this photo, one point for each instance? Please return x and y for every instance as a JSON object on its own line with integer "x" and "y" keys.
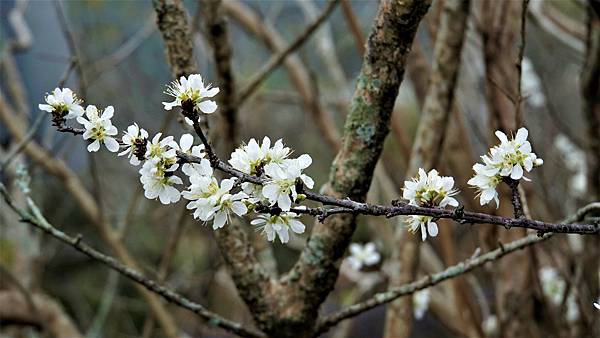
{"x": 219, "y": 221}
{"x": 432, "y": 228}
{"x": 517, "y": 172}
{"x": 501, "y": 136}
{"x": 111, "y": 144}
{"x": 297, "y": 226}
{"x": 94, "y": 146}
{"x": 284, "y": 202}
{"x": 186, "y": 142}
{"x": 208, "y": 107}
{"x": 522, "y": 134}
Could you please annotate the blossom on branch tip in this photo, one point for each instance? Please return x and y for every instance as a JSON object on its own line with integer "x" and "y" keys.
{"x": 192, "y": 89}
{"x": 251, "y": 158}
{"x": 99, "y": 129}
{"x": 363, "y": 255}
{"x": 420, "y": 303}
{"x": 423, "y": 223}
{"x": 158, "y": 180}
{"x": 508, "y": 160}
{"x": 134, "y": 140}
{"x": 279, "y": 225}
{"x": 64, "y": 103}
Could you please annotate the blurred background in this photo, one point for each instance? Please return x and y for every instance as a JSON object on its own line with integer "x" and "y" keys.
{"x": 122, "y": 63}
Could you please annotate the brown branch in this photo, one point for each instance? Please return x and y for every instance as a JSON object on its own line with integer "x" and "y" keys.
{"x": 217, "y": 35}
{"x": 36, "y": 219}
{"x": 354, "y": 24}
{"x": 450, "y": 272}
{"x": 298, "y": 73}
{"x": 278, "y": 59}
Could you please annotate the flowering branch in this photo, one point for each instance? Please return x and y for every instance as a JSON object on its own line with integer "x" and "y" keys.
{"x": 399, "y": 208}
{"x": 450, "y": 272}
{"x": 36, "y": 219}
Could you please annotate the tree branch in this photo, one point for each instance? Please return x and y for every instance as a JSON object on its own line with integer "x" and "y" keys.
{"x": 36, "y": 219}
{"x": 278, "y": 59}
{"x": 450, "y": 272}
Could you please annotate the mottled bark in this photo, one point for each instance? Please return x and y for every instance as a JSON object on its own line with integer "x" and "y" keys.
{"x": 367, "y": 124}
{"x": 171, "y": 18}
{"x": 427, "y": 149}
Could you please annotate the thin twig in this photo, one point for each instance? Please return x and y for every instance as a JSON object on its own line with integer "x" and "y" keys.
{"x": 36, "y": 219}
{"x": 450, "y": 272}
{"x": 277, "y": 59}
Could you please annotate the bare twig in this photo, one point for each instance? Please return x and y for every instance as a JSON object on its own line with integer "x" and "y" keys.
{"x": 450, "y": 272}
{"x": 277, "y": 59}
{"x": 36, "y": 219}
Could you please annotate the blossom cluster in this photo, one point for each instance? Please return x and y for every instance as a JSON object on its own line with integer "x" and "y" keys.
{"x": 161, "y": 172}
{"x": 508, "y": 160}
{"x": 276, "y": 201}
{"x": 430, "y": 190}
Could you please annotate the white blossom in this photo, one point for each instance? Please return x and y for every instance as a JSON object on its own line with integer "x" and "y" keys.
{"x": 279, "y": 225}
{"x": 597, "y": 304}
{"x": 420, "y": 303}
{"x": 186, "y": 145}
{"x": 158, "y": 180}
{"x": 490, "y": 325}
{"x": 212, "y": 202}
{"x": 192, "y": 88}
{"x": 131, "y": 140}
{"x": 510, "y": 159}
{"x": 553, "y": 285}
{"x": 485, "y": 183}
{"x": 282, "y": 181}
{"x": 99, "y": 129}
{"x": 64, "y": 102}
{"x": 363, "y": 255}
{"x": 249, "y": 158}
{"x": 423, "y": 223}
{"x": 161, "y": 148}
{"x": 430, "y": 189}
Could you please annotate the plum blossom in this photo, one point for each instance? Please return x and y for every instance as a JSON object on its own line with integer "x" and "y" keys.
{"x": 430, "y": 189}
{"x": 486, "y": 184}
{"x": 212, "y": 202}
{"x": 186, "y": 145}
{"x": 282, "y": 181}
{"x": 192, "y": 89}
{"x": 420, "y": 303}
{"x": 279, "y": 225}
{"x": 252, "y": 157}
{"x": 423, "y": 223}
{"x": 165, "y": 148}
{"x": 99, "y": 129}
{"x": 597, "y": 304}
{"x": 64, "y": 103}
{"x": 158, "y": 180}
{"x": 510, "y": 159}
{"x": 363, "y": 255}
{"x": 134, "y": 140}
